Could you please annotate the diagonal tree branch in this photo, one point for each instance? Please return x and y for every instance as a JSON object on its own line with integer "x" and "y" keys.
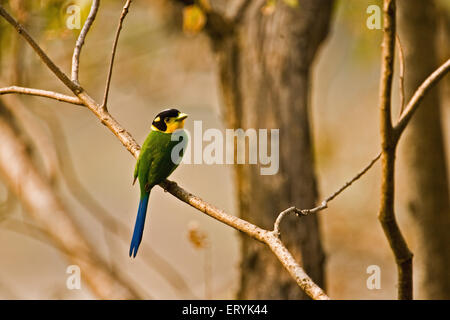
{"x": 113, "y": 54}
{"x": 267, "y": 237}
{"x": 80, "y": 41}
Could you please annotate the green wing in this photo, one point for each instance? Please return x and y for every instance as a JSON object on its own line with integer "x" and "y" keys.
{"x": 155, "y": 162}
{"x": 136, "y": 169}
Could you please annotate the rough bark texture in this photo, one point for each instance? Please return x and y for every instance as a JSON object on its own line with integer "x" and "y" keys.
{"x": 424, "y": 153}
{"x": 264, "y": 65}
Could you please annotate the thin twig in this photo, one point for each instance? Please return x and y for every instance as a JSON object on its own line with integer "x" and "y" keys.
{"x": 356, "y": 177}
{"x": 401, "y": 76}
{"x": 113, "y": 54}
{"x": 324, "y": 204}
{"x": 281, "y": 215}
{"x": 41, "y": 93}
{"x": 418, "y": 96}
{"x": 80, "y": 41}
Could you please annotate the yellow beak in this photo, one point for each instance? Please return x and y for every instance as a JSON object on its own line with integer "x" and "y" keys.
{"x": 181, "y": 116}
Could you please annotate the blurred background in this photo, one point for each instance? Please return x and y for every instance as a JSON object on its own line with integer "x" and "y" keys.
{"x": 158, "y": 65}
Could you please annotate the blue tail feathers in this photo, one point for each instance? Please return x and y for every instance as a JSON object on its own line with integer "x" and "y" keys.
{"x": 139, "y": 225}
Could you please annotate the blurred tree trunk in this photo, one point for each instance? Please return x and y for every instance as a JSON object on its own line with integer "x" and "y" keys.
{"x": 444, "y": 51}
{"x": 424, "y": 153}
{"x": 264, "y": 66}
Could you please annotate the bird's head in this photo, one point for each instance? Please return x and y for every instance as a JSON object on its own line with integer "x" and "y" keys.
{"x": 169, "y": 120}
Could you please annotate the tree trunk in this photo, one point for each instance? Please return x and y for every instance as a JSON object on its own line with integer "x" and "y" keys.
{"x": 424, "y": 153}
{"x": 264, "y": 66}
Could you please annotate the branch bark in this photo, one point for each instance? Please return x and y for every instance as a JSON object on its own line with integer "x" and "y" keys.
{"x": 419, "y": 95}
{"x": 113, "y": 54}
{"x": 403, "y": 255}
{"x": 80, "y": 41}
{"x": 41, "y": 93}
{"x": 270, "y": 238}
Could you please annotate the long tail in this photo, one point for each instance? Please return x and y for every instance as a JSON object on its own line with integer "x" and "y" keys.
{"x": 139, "y": 225}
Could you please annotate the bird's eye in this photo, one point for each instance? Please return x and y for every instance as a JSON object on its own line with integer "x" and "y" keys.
{"x": 166, "y": 120}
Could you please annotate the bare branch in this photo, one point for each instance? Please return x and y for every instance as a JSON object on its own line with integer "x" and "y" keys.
{"x": 418, "y": 96}
{"x": 387, "y": 70}
{"x": 123, "y": 135}
{"x": 113, "y": 54}
{"x": 324, "y": 203}
{"x": 276, "y": 225}
{"x": 356, "y": 177}
{"x": 80, "y": 41}
{"x": 299, "y": 275}
{"x": 41, "y": 93}
{"x": 401, "y": 76}
{"x": 403, "y": 255}
{"x": 401, "y": 85}
{"x": 267, "y": 237}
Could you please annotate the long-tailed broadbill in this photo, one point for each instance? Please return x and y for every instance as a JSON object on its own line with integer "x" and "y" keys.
{"x": 160, "y": 155}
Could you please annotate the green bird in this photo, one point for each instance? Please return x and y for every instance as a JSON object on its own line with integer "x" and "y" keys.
{"x": 159, "y": 157}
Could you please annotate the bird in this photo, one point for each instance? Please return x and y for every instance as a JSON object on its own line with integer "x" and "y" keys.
{"x": 160, "y": 155}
